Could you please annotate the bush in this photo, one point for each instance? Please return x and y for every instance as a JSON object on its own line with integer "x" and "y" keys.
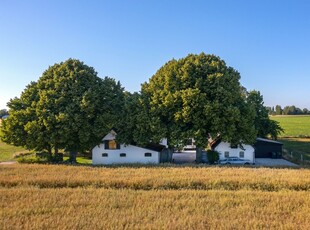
{"x": 54, "y": 158}
{"x": 57, "y": 158}
{"x": 31, "y": 160}
{"x": 21, "y": 154}
{"x": 45, "y": 155}
{"x": 41, "y": 157}
{"x": 213, "y": 156}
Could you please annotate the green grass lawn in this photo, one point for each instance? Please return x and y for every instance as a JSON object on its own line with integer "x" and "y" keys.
{"x": 297, "y": 146}
{"x": 296, "y": 135}
{"x": 81, "y": 160}
{"x": 294, "y": 126}
{"x": 7, "y": 151}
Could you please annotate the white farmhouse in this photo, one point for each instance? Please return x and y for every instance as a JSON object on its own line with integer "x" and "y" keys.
{"x": 110, "y": 152}
{"x": 225, "y": 150}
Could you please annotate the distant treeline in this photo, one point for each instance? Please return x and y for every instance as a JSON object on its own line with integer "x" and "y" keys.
{"x": 287, "y": 110}
{"x": 3, "y": 112}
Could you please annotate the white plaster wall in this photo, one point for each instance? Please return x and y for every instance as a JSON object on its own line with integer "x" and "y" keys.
{"x": 249, "y": 152}
{"x": 134, "y": 154}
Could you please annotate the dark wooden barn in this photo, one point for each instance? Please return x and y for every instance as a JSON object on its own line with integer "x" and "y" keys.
{"x": 265, "y": 148}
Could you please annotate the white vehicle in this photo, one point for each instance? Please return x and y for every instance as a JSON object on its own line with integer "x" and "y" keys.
{"x": 235, "y": 160}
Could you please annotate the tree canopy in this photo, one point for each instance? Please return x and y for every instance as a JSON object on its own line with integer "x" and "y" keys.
{"x": 263, "y": 125}
{"x": 198, "y": 96}
{"x": 69, "y": 107}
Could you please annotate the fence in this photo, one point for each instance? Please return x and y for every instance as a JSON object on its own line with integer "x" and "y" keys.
{"x": 297, "y": 156}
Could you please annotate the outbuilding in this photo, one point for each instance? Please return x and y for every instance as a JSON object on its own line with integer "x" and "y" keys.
{"x": 265, "y": 148}
{"x": 111, "y": 152}
{"x": 227, "y": 150}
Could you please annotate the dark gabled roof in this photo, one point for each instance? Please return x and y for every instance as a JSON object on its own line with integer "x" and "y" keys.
{"x": 215, "y": 142}
{"x": 218, "y": 140}
{"x": 268, "y": 140}
{"x": 155, "y": 147}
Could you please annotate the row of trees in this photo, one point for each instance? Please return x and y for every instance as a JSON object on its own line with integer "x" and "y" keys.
{"x": 3, "y": 112}
{"x": 198, "y": 96}
{"x": 287, "y": 110}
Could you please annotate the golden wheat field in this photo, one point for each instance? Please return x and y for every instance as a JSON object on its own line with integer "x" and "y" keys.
{"x": 72, "y": 197}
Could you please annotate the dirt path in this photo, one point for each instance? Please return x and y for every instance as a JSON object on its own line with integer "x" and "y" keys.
{"x": 8, "y": 162}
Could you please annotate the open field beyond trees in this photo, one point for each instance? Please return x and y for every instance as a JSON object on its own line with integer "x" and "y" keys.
{"x": 294, "y": 125}
{"x": 153, "y": 197}
{"x": 7, "y": 152}
{"x": 296, "y": 136}
{"x": 297, "y": 147}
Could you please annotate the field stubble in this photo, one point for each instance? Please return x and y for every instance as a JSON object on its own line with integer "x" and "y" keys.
{"x": 154, "y": 177}
{"x": 79, "y": 208}
{"x": 68, "y": 197}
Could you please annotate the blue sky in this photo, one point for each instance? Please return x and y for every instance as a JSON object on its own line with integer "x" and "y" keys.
{"x": 267, "y": 41}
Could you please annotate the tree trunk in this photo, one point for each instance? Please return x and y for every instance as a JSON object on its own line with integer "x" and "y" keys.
{"x": 170, "y": 153}
{"x": 58, "y": 157}
{"x": 50, "y": 154}
{"x": 72, "y": 158}
{"x": 90, "y": 155}
{"x": 56, "y": 150}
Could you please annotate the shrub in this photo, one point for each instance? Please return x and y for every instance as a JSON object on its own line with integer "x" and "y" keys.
{"x": 45, "y": 155}
{"x": 57, "y": 158}
{"x": 41, "y": 157}
{"x": 31, "y": 160}
{"x": 21, "y": 154}
{"x": 213, "y": 156}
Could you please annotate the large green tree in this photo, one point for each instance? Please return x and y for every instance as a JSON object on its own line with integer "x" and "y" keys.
{"x": 69, "y": 108}
{"x": 198, "y": 96}
{"x": 263, "y": 125}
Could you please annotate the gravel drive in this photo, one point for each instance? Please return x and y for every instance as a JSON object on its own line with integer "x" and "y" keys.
{"x": 273, "y": 162}
{"x": 8, "y": 162}
{"x": 184, "y": 157}
{"x": 190, "y": 157}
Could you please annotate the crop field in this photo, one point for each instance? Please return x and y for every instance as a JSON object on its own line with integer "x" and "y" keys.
{"x": 153, "y": 197}
{"x": 294, "y": 126}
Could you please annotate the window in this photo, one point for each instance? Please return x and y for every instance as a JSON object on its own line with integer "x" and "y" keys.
{"x": 241, "y": 154}
{"x": 226, "y": 154}
{"x": 122, "y": 154}
{"x": 233, "y": 146}
{"x": 147, "y": 154}
{"x": 104, "y": 155}
{"x": 111, "y": 144}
